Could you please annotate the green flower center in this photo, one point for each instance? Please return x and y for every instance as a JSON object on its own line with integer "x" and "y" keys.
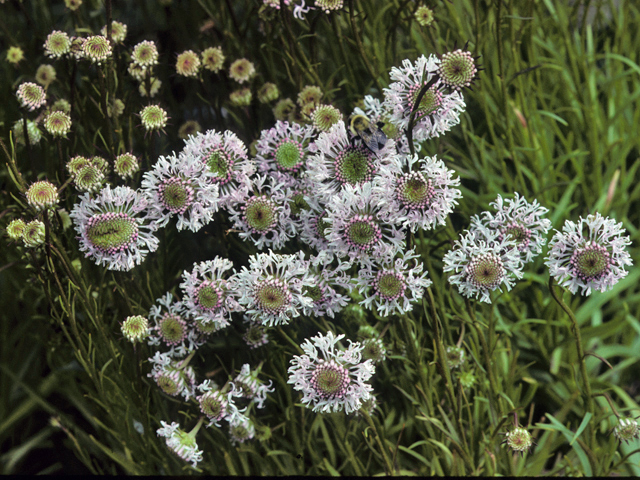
{"x": 330, "y": 380}
{"x": 208, "y": 295}
{"x": 260, "y": 214}
{"x": 354, "y": 165}
{"x": 289, "y": 155}
{"x": 486, "y": 271}
{"x": 591, "y": 262}
{"x": 112, "y": 232}
{"x": 172, "y": 329}
{"x": 272, "y": 296}
{"x": 414, "y": 191}
{"x": 176, "y": 195}
{"x": 362, "y": 232}
{"x": 389, "y": 285}
{"x": 220, "y": 165}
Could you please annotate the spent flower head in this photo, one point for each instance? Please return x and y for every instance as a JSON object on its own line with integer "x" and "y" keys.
{"x": 31, "y": 95}
{"x": 188, "y": 64}
{"x": 153, "y": 117}
{"x": 135, "y": 328}
{"x": 97, "y": 48}
{"x": 57, "y": 123}
{"x": 241, "y": 97}
{"x": 242, "y": 70}
{"x": 57, "y": 44}
{"x": 590, "y": 254}
{"x": 213, "y": 59}
{"x": 32, "y": 131}
{"x": 118, "y": 31}
{"x": 331, "y": 378}
{"x": 16, "y": 228}
{"x": 33, "y": 234}
{"x": 45, "y": 75}
{"x": 42, "y": 194}
{"x": 519, "y": 440}
{"x": 14, "y": 55}
{"x": 424, "y": 16}
{"x": 268, "y": 93}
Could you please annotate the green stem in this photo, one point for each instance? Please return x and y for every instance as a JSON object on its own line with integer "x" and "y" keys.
{"x": 388, "y": 464}
{"x": 363, "y": 55}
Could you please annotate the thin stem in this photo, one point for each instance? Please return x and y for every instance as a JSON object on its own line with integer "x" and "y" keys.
{"x": 414, "y": 111}
{"x": 363, "y": 55}
{"x": 389, "y": 465}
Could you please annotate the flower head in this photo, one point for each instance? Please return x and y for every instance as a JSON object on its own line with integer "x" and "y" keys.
{"x": 482, "y": 263}
{"x": 174, "y": 377}
{"x": 33, "y": 132}
{"x": 33, "y": 234}
{"x": 209, "y": 292}
{"x": 154, "y": 87}
{"x": 272, "y": 288}
{"x": 16, "y": 228}
{"x": 255, "y": 335}
{"x": 153, "y": 117}
{"x": 331, "y": 378}
{"x": 112, "y": 228}
{"x": 135, "y": 328}
{"x": 172, "y": 328}
{"x": 188, "y": 64}
{"x": 519, "y": 440}
{"x": 31, "y": 95}
{"x": 324, "y": 117}
{"x": 145, "y": 54}
{"x": 213, "y": 59}
{"x": 268, "y": 93}
{"x": 241, "y": 429}
{"x": 424, "y": 16}
{"x": 328, "y": 275}
{"x": 73, "y": 5}
{"x": 457, "y": 69}
{"x": 42, "y": 194}
{"x": 88, "y": 178}
{"x": 251, "y": 386}
{"x": 242, "y": 70}
{"x": 328, "y": 5}
{"x": 181, "y": 443}
{"x": 96, "y": 48}
{"x": 218, "y": 404}
{"x": 589, "y": 254}
{"x": 57, "y": 123}
{"x": 118, "y": 31}
{"x": 419, "y": 199}
{"x": 45, "y": 75}
{"x": 283, "y": 109}
{"x": 126, "y": 164}
{"x": 57, "y": 44}
{"x": 626, "y": 430}
{"x": 455, "y": 356}
{"x": 241, "y": 97}
{"x": 14, "y": 55}
{"x": 180, "y": 186}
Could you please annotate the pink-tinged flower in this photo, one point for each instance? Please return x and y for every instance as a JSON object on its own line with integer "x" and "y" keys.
{"x": 242, "y": 70}
{"x": 226, "y": 157}
{"x": 213, "y": 59}
{"x": 57, "y": 44}
{"x": 589, "y": 254}
{"x": 241, "y": 429}
{"x": 145, "y": 54}
{"x": 519, "y": 219}
{"x": 328, "y": 274}
{"x": 97, "y": 48}
{"x": 174, "y": 377}
{"x": 284, "y": 148}
{"x": 482, "y": 263}
{"x": 172, "y": 327}
{"x": 181, "y": 443}
{"x": 42, "y": 194}
{"x": 135, "y": 328}
{"x": 209, "y": 291}
{"x": 188, "y": 64}
{"x": 261, "y": 216}
{"x": 272, "y": 289}
{"x": 329, "y": 377}
{"x": 180, "y": 186}
{"x": 218, "y": 404}
{"x": 113, "y": 228}
{"x": 356, "y": 228}
{"x": 421, "y": 198}
{"x": 251, "y": 386}
{"x": 31, "y": 95}
{"x": 438, "y": 111}
{"x": 392, "y": 284}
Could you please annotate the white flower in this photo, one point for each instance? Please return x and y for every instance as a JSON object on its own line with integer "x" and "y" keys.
{"x": 180, "y": 186}
{"x": 171, "y": 328}
{"x": 590, "y": 254}
{"x": 181, "y": 443}
{"x": 327, "y": 273}
{"x": 173, "y": 377}
{"x": 218, "y": 404}
{"x": 252, "y": 387}
{"x": 482, "y": 263}
{"x": 113, "y": 227}
{"x": 331, "y": 379}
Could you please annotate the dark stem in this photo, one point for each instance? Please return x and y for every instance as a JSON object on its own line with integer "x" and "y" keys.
{"x": 414, "y": 110}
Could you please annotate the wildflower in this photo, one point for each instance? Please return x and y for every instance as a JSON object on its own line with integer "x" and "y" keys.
{"x": 424, "y": 16}
{"x": 57, "y": 123}
{"x": 154, "y": 87}
{"x": 419, "y": 199}
{"x": 213, "y": 59}
{"x": 135, "y": 328}
{"x": 181, "y": 443}
{"x": 189, "y": 128}
{"x": 373, "y": 349}
{"x": 32, "y": 131}
{"x": 467, "y": 379}
{"x": 327, "y": 273}
{"x": 57, "y": 44}
{"x": 42, "y": 194}
{"x": 314, "y": 229}
{"x": 241, "y": 429}
{"x": 455, "y": 356}
{"x": 457, "y": 69}
{"x": 118, "y": 31}
{"x": 520, "y": 220}
{"x": 330, "y": 378}
{"x": 339, "y": 162}
{"x": 218, "y": 404}
{"x": 392, "y": 284}
{"x": 16, "y": 229}
{"x": 76, "y": 47}
{"x": 328, "y": 5}
{"x": 61, "y": 105}
{"x": 137, "y": 71}
{"x": 125, "y": 165}
{"x": 310, "y": 94}
{"x": 209, "y": 292}
{"x": 355, "y": 227}
{"x": 153, "y": 117}
{"x": 145, "y": 54}
{"x": 173, "y": 328}
{"x": 241, "y": 97}
{"x": 626, "y": 430}
{"x": 589, "y": 254}
{"x": 14, "y": 55}
{"x": 519, "y": 440}
{"x": 482, "y": 263}
{"x": 283, "y": 148}
{"x": 437, "y": 111}
{"x": 33, "y": 234}
{"x": 100, "y": 163}
{"x": 242, "y": 70}
{"x": 188, "y": 64}
{"x": 268, "y": 93}
{"x": 97, "y": 48}
{"x": 272, "y": 288}
{"x": 88, "y": 178}
{"x": 255, "y": 335}
{"x": 31, "y": 95}
{"x": 174, "y": 377}
{"x": 180, "y": 186}
{"x": 45, "y": 75}
{"x": 261, "y": 216}
{"x": 115, "y": 108}
{"x": 73, "y": 5}
{"x": 251, "y": 386}
{"x": 325, "y": 116}
{"x": 112, "y": 228}
{"x": 226, "y": 156}
{"x": 283, "y": 109}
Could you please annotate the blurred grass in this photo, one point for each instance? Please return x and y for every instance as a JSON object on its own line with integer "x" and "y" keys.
{"x": 554, "y": 115}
